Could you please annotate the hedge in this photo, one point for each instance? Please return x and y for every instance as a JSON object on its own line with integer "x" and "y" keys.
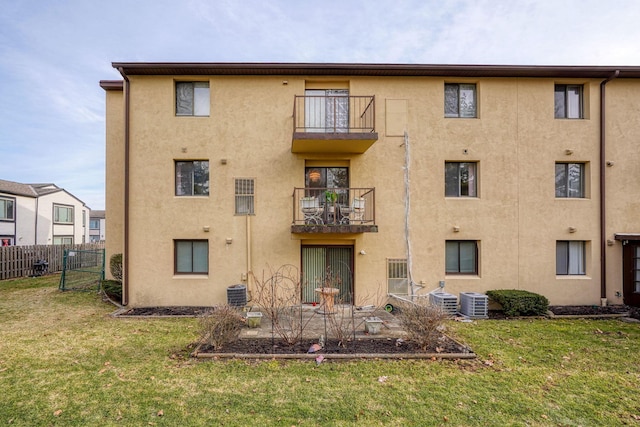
{"x": 520, "y": 303}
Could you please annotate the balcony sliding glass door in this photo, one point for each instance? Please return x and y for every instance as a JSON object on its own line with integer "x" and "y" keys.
{"x": 327, "y": 265}
{"x": 327, "y": 110}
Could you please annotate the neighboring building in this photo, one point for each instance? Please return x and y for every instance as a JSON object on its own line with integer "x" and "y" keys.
{"x": 518, "y": 177}
{"x": 41, "y": 214}
{"x": 97, "y": 226}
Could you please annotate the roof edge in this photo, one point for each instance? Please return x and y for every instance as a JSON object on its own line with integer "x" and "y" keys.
{"x": 111, "y": 84}
{"x": 373, "y": 69}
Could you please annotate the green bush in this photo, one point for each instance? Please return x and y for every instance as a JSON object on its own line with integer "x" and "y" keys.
{"x": 115, "y": 266}
{"x": 520, "y": 303}
{"x": 113, "y": 289}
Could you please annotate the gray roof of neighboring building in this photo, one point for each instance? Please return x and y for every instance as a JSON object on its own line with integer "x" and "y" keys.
{"x": 17, "y": 188}
{"x": 31, "y": 190}
{"x": 97, "y": 214}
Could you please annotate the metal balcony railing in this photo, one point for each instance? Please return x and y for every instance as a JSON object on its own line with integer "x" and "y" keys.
{"x": 330, "y": 207}
{"x": 334, "y": 114}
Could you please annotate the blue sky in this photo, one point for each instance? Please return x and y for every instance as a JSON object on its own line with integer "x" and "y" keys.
{"x": 53, "y": 53}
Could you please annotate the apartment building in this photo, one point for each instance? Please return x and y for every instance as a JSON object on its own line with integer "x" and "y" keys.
{"x": 395, "y": 177}
{"x": 97, "y": 226}
{"x": 41, "y": 214}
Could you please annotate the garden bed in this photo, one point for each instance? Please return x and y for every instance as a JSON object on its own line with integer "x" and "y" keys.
{"x": 361, "y": 348}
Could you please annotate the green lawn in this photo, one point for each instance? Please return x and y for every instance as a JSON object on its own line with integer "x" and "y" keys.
{"x": 65, "y": 361}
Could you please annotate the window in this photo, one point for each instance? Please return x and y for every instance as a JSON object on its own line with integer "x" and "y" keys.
{"x": 62, "y": 214}
{"x": 460, "y": 100}
{"x": 244, "y": 192}
{"x": 460, "y": 179}
{"x": 191, "y": 256}
{"x": 192, "y": 178}
{"x": 570, "y": 180}
{"x": 461, "y": 257}
{"x": 568, "y": 102}
{"x": 63, "y": 240}
{"x": 94, "y": 224}
{"x": 192, "y": 99}
{"x": 397, "y": 277}
{"x": 570, "y": 257}
{"x": 7, "y": 209}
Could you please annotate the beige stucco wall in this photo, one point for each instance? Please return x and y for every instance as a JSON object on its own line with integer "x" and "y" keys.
{"x": 114, "y": 174}
{"x": 516, "y": 218}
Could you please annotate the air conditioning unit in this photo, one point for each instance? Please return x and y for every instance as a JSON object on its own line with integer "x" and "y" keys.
{"x": 447, "y": 302}
{"x": 474, "y": 305}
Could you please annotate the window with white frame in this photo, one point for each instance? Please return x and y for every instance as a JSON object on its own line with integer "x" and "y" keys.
{"x": 62, "y": 214}
{"x": 191, "y": 256}
{"x": 244, "y": 195}
{"x": 192, "y": 99}
{"x": 7, "y": 209}
{"x": 570, "y": 180}
{"x": 568, "y": 102}
{"x": 460, "y": 100}
{"x": 570, "y": 257}
{"x": 460, "y": 179}
{"x": 397, "y": 276}
{"x": 461, "y": 257}
{"x": 63, "y": 240}
{"x": 192, "y": 177}
{"x": 94, "y": 224}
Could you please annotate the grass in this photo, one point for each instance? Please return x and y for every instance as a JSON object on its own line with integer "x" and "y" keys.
{"x": 65, "y": 362}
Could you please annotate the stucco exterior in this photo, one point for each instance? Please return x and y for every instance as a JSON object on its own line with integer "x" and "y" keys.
{"x": 515, "y": 142}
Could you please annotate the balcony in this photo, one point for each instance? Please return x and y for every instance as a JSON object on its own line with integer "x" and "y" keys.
{"x": 333, "y": 124}
{"x": 334, "y": 210}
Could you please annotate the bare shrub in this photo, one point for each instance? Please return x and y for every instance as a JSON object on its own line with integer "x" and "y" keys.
{"x": 278, "y": 294}
{"x": 423, "y": 323}
{"x": 221, "y": 327}
{"x": 342, "y": 322}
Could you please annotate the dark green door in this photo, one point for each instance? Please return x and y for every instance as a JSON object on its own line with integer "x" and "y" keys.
{"x": 327, "y": 264}
{"x": 631, "y": 273}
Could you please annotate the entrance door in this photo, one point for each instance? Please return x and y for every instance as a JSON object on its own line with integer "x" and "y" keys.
{"x": 631, "y": 273}
{"x": 322, "y": 265}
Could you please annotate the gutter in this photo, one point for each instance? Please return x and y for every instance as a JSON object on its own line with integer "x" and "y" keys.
{"x": 603, "y": 231}
{"x": 125, "y": 258}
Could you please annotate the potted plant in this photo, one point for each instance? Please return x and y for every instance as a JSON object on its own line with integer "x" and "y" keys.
{"x": 331, "y": 197}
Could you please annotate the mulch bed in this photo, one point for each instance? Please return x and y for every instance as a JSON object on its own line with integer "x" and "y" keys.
{"x": 445, "y": 345}
{"x": 167, "y": 311}
{"x": 587, "y": 310}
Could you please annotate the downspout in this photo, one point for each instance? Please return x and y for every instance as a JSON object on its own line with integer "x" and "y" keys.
{"x": 249, "y": 268}
{"x": 35, "y": 240}
{"x": 125, "y": 260}
{"x": 603, "y": 231}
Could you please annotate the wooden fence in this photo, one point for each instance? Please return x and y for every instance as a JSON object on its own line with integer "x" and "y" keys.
{"x": 17, "y": 261}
